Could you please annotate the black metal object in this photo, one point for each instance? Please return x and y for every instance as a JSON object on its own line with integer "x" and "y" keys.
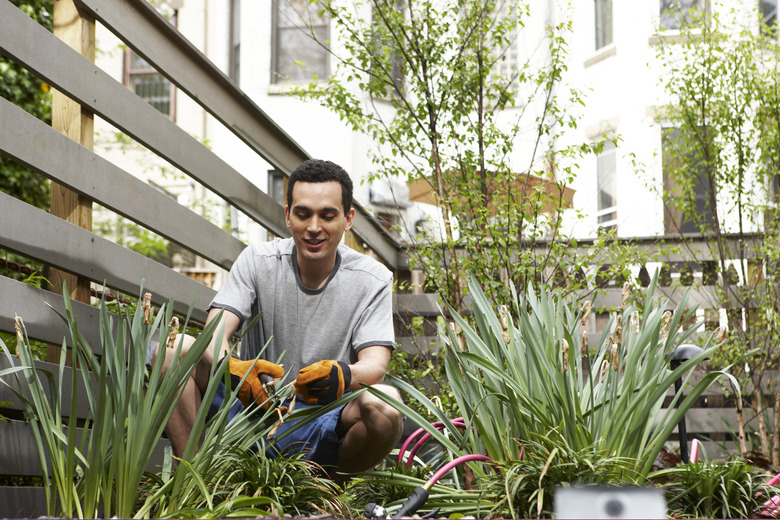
{"x": 679, "y": 356}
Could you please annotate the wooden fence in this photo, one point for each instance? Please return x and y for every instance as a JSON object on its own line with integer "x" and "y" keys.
{"x": 62, "y": 152}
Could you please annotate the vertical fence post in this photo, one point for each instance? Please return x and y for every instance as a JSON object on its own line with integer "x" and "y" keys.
{"x": 69, "y": 118}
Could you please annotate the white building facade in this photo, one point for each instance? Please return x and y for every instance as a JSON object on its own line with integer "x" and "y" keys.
{"x": 612, "y": 59}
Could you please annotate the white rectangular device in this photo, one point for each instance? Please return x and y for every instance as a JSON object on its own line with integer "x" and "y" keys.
{"x": 609, "y": 502}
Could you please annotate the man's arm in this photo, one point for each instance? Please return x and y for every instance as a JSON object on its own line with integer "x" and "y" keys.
{"x": 231, "y": 322}
{"x": 370, "y": 368}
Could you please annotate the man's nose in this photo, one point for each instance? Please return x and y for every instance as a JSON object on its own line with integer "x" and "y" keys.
{"x": 314, "y": 225}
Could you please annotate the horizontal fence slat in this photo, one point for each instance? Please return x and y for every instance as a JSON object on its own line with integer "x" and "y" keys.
{"x": 36, "y": 145}
{"x": 11, "y": 401}
{"x": 79, "y": 251}
{"x": 37, "y": 308}
{"x": 22, "y": 502}
{"x": 30, "y": 45}
{"x": 19, "y": 455}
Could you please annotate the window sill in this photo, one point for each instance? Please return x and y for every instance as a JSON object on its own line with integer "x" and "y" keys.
{"x": 673, "y": 36}
{"x": 275, "y": 89}
{"x": 601, "y": 54}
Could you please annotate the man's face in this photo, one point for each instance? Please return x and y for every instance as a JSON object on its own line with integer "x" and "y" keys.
{"x": 317, "y": 220}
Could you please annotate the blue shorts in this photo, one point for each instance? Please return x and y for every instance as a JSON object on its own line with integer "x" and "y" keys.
{"x": 318, "y": 439}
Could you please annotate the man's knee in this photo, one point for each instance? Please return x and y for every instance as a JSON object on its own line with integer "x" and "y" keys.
{"x": 186, "y": 343}
{"x": 379, "y": 416}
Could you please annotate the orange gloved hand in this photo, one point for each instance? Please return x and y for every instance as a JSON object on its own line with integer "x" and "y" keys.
{"x": 253, "y": 391}
{"x": 323, "y": 382}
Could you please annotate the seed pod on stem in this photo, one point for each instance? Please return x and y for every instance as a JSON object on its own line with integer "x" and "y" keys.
{"x": 174, "y": 325}
{"x": 604, "y": 369}
{"x": 635, "y": 321}
{"x": 665, "y": 324}
{"x": 19, "y": 326}
{"x": 565, "y": 356}
{"x": 147, "y": 306}
{"x": 625, "y": 295}
{"x": 587, "y": 307}
{"x": 504, "y": 322}
{"x": 720, "y": 334}
{"x": 613, "y": 351}
{"x": 584, "y": 345}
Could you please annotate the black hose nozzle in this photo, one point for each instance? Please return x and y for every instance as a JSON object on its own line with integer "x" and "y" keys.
{"x": 413, "y": 503}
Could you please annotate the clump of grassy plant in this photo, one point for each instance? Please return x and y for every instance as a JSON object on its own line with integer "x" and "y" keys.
{"x": 528, "y": 373}
{"x": 248, "y": 484}
{"x": 96, "y": 470}
{"x": 525, "y": 488}
{"x": 732, "y": 489}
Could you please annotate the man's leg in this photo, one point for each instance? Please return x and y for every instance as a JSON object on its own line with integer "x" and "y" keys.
{"x": 184, "y": 413}
{"x": 372, "y": 428}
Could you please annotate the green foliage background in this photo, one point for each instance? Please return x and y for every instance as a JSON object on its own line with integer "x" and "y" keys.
{"x": 20, "y": 87}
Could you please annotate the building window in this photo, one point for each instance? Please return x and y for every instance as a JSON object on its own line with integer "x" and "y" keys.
{"x": 300, "y": 52}
{"x": 768, "y": 11}
{"x": 277, "y": 184}
{"x": 606, "y": 172}
{"x": 387, "y": 64}
{"x": 603, "y": 23}
{"x": 235, "y": 41}
{"x": 677, "y": 13}
{"x": 690, "y": 212}
{"x": 507, "y": 59}
{"x": 148, "y": 84}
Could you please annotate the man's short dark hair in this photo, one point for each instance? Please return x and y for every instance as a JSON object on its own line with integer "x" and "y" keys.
{"x": 317, "y": 170}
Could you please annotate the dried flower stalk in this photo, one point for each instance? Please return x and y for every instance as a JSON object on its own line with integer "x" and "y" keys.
{"x": 174, "y": 324}
{"x": 619, "y": 335}
{"x": 504, "y": 322}
{"x": 626, "y": 294}
{"x": 635, "y": 321}
{"x": 565, "y": 356}
{"x": 613, "y": 351}
{"x": 147, "y": 306}
{"x": 604, "y": 369}
{"x": 665, "y": 324}
{"x": 584, "y": 345}
{"x": 720, "y": 334}
{"x": 587, "y": 307}
{"x": 19, "y": 326}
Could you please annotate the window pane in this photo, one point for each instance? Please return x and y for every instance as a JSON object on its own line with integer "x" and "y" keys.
{"x": 674, "y": 13}
{"x": 607, "y": 178}
{"x": 138, "y": 63}
{"x": 154, "y": 89}
{"x": 603, "y": 23}
{"x": 690, "y": 212}
{"x": 300, "y": 38}
{"x": 295, "y": 48}
{"x": 768, "y": 11}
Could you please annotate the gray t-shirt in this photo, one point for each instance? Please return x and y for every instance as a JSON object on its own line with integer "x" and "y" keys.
{"x": 353, "y": 310}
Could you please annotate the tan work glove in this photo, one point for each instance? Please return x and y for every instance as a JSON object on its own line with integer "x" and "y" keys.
{"x": 323, "y": 382}
{"x": 253, "y": 391}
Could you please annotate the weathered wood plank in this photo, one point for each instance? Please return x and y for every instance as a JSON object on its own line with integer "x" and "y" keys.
{"x": 81, "y": 252}
{"x": 36, "y": 145}
{"x": 22, "y": 502}
{"x": 19, "y": 455}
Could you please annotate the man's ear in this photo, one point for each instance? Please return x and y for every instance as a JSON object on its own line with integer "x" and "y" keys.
{"x": 350, "y": 219}
{"x": 287, "y": 215}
